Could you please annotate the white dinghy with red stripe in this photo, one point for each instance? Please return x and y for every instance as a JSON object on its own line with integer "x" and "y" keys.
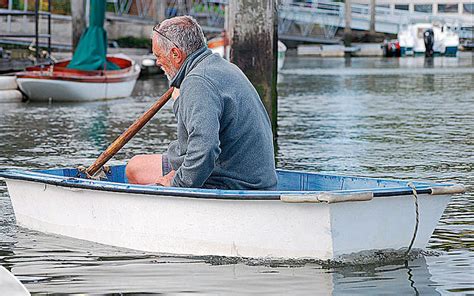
{"x": 58, "y": 83}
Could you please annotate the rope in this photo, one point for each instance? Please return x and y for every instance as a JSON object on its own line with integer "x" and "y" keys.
{"x": 99, "y": 175}
{"x": 83, "y": 169}
{"x": 415, "y": 195}
{"x": 105, "y": 74}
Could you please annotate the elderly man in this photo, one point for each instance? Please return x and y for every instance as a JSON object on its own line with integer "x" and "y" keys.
{"x": 224, "y": 133}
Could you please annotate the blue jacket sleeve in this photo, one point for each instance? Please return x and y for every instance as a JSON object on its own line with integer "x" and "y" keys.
{"x": 200, "y": 112}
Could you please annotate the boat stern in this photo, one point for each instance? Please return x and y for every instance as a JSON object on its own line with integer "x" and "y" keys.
{"x": 385, "y": 223}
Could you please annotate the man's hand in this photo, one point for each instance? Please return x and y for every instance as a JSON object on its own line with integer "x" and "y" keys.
{"x": 175, "y": 93}
{"x": 166, "y": 179}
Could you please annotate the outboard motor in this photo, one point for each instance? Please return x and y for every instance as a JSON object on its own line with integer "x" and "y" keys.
{"x": 428, "y": 37}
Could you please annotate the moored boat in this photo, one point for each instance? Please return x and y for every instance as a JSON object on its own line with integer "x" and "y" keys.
{"x": 311, "y": 215}
{"x": 281, "y": 54}
{"x": 9, "y": 92}
{"x": 56, "y": 82}
{"x": 90, "y": 75}
{"x": 411, "y": 39}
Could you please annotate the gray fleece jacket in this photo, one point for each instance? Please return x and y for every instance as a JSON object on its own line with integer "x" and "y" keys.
{"x": 224, "y": 134}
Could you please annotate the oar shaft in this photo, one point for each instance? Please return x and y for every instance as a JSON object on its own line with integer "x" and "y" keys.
{"x": 128, "y": 134}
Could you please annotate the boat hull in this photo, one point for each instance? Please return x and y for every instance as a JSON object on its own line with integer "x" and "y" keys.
{"x": 445, "y": 40}
{"x": 57, "y": 82}
{"x": 451, "y": 51}
{"x": 47, "y": 90}
{"x": 226, "y": 227}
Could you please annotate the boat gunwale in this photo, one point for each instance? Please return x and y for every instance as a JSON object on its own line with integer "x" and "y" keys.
{"x": 62, "y": 73}
{"x": 219, "y": 194}
{"x": 79, "y": 79}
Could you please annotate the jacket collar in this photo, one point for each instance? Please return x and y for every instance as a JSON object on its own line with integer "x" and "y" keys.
{"x": 191, "y": 61}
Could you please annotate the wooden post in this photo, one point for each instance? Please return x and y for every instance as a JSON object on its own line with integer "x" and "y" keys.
{"x": 372, "y": 18}
{"x": 160, "y": 10}
{"x": 253, "y": 35}
{"x": 78, "y": 21}
{"x": 9, "y": 17}
{"x": 348, "y": 21}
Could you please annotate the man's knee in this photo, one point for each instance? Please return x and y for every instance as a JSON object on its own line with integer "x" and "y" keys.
{"x": 141, "y": 168}
{"x": 132, "y": 168}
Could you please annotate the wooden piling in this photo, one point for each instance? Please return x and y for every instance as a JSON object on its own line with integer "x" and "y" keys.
{"x": 78, "y": 21}
{"x": 348, "y": 21}
{"x": 160, "y": 11}
{"x": 252, "y": 30}
{"x": 372, "y": 18}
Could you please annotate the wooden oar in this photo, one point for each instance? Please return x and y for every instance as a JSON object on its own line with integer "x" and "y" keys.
{"x": 128, "y": 134}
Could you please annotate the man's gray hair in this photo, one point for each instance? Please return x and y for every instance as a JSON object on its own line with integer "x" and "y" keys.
{"x": 182, "y": 31}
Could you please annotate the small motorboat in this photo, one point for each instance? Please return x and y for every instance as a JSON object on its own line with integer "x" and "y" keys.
{"x": 148, "y": 65}
{"x": 391, "y": 48}
{"x": 314, "y": 216}
{"x": 411, "y": 39}
{"x": 56, "y": 82}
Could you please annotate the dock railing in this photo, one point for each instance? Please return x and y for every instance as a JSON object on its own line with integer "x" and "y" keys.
{"x": 36, "y": 36}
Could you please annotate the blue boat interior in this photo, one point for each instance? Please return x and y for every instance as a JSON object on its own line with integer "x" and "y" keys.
{"x": 287, "y": 180}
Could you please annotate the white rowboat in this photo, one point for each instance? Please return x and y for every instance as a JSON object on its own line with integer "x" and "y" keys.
{"x": 310, "y": 216}
{"x": 10, "y": 285}
{"x": 60, "y": 84}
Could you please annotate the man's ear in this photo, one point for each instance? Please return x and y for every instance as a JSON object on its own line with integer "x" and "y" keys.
{"x": 177, "y": 55}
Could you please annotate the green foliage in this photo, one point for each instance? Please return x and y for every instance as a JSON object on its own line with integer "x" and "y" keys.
{"x": 60, "y": 7}
{"x": 134, "y": 42}
{"x": 12, "y": 46}
{"x": 57, "y": 6}
{"x": 110, "y": 7}
{"x": 216, "y": 9}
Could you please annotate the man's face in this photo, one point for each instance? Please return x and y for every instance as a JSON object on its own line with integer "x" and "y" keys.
{"x": 164, "y": 60}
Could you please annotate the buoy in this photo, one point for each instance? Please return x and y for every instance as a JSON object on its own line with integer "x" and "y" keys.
{"x": 10, "y": 96}
{"x": 8, "y": 82}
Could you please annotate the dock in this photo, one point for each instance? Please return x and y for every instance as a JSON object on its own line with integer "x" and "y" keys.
{"x": 356, "y": 50}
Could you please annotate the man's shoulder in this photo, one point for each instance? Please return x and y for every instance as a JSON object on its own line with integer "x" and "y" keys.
{"x": 198, "y": 81}
{"x": 212, "y": 65}
{"x": 206, "y": 72}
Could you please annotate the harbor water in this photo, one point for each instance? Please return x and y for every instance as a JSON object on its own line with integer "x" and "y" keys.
{"x": 408, "y": 118}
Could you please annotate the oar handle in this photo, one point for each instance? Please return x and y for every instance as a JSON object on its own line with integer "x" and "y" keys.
{"x": 128, "y": 134}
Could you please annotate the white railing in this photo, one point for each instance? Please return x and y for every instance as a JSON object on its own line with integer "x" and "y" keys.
{"x": 387, "y": 20}
{"x": 327, "y": 14}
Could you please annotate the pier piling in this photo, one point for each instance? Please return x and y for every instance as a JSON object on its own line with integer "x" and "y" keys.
{"x": 348, "y": 21}
{"x": 78, "y": 21}
{"x": 252, "y": 30}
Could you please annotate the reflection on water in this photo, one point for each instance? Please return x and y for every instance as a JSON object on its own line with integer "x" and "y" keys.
{"x": 405, "y": 118}
{"x": 47, "y": 263}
